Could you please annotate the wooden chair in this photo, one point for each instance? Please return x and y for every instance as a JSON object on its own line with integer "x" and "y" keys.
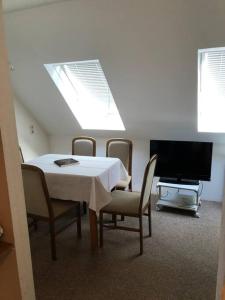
{"x": 131, "y": 204}
{"x": 31, "y": 222}
{"x": 122, "y": 149}
{"x": 84, "y": 145}
{"x": 21, "y": 155}
{"x": 40, "y": 206}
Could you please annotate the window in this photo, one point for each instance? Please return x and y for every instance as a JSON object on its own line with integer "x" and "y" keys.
{"x": 211, "y": 90}
{"x": 85, "y": 89}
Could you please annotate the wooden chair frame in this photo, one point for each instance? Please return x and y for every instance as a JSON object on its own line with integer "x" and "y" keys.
{"x": 93, "y": 154}
{"x": 21, "y": 154}
{"x": 51, "y": 219}
{"x": 84, "y": 138}
{"x": 141, "y": 212}
{"x": 130, "y": 143}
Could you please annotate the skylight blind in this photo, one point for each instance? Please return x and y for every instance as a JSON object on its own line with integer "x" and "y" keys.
{"x": 92, "y": 77}
{"x": 86, "y": 91}
{"x": 213, "y": 70}
{"x": 211, "y": 95}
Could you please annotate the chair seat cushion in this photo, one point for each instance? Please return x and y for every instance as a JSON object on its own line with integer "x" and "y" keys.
{"x": 123, "y": 203}
{"x": 124, "y": 183}
{"x": 62, "y": 206}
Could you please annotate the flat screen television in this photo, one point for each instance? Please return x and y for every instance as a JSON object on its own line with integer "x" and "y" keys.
{"x": 182, "y": 161}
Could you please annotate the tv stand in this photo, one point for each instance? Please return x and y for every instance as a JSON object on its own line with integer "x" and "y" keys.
{"x": 179, "y": 181}
{"x": 180, "y": 201}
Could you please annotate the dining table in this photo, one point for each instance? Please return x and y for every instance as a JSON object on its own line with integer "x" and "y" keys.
{"x": 89, "y": 180}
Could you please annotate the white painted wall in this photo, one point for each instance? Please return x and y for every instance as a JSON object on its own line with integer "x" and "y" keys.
{"x": 148, "y": 53}
{"x": 11, "y": 5}
{"x": 212, "y": 190}
{"x": 147, "y": 49}
{"x": 32, "y": 142}
{"x": 158, "y": 39}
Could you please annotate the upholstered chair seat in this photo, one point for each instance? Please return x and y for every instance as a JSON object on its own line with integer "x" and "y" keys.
{"x": 123, "y": 202}
{"x": 59, "y": 208}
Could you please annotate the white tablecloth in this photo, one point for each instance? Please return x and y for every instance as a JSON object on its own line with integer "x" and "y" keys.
{"x": 91, "y": 180}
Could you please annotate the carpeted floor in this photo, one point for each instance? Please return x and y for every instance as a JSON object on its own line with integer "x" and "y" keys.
{"x": 179, "y": 261}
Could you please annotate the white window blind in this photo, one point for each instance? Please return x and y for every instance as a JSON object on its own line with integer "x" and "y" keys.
{"x": 211, "y": 90}
{"x": 92, "y": 77}
{"x": 86, "y": 91}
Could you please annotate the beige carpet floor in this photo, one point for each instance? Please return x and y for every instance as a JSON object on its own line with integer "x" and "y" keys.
{"x": 179, "y": 261}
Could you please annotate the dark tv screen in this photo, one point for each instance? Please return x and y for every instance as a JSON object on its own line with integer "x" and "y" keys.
{"x": 182, "y": 160}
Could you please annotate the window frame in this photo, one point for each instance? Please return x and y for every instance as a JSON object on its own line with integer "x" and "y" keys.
{"x": 105, "y": 120}
{"x": 199, "y": 85}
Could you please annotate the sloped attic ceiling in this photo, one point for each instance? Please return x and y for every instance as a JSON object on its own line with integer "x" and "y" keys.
{"x": 148, "y": 51}
{"x": 13, "y": 5}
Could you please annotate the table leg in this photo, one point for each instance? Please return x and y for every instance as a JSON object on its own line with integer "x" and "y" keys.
{"x": 93, "y": 229}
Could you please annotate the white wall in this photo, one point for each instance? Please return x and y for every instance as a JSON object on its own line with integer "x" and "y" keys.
{"x": 33, "y": 140}
{"x": 147, "y": 49}
{"x": 148, "y": 52}
{"x": 212, "y": 190}
{"x": 158, "y": 39}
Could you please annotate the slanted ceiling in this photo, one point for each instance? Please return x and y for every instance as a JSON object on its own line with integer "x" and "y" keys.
{"x": 15, "y": 5}
{"x": 148, "y": 51}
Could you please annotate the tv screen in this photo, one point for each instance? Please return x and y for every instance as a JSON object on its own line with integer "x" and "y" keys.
{"x": 181, "y": 160}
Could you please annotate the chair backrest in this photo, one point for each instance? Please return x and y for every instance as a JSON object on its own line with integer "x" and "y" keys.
{"x": 84, "y": 145}
{"x": 122, "y": 149}
{"x": 21, "y": 155}
{"x": 147, "y": 183}
{"x": 36, "y": 192}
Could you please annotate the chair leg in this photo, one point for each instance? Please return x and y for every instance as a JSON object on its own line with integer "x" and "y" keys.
{"x": 149, "y": 220}
{"x": 52, "y": 235}
{"x": 130, "y": 190}
{"x": 84, "y": 208}
{"x": 101, "y": 229}
{"x": 141, "y": 235}
{"x": 35, "y": 224}
{"x": 130, "y": 186}
{"x": 114, "y": 219}
{"x": 79, "y": 220}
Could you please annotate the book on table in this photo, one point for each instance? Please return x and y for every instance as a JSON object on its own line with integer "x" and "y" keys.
{"x": 66, "y": 162}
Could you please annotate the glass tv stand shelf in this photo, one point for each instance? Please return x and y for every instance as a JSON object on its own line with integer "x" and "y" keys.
{"x": 190, "y": 202}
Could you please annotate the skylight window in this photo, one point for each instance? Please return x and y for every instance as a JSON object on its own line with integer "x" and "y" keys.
{"x": 211, "y": 90}
{"x": 85, "y": 89}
